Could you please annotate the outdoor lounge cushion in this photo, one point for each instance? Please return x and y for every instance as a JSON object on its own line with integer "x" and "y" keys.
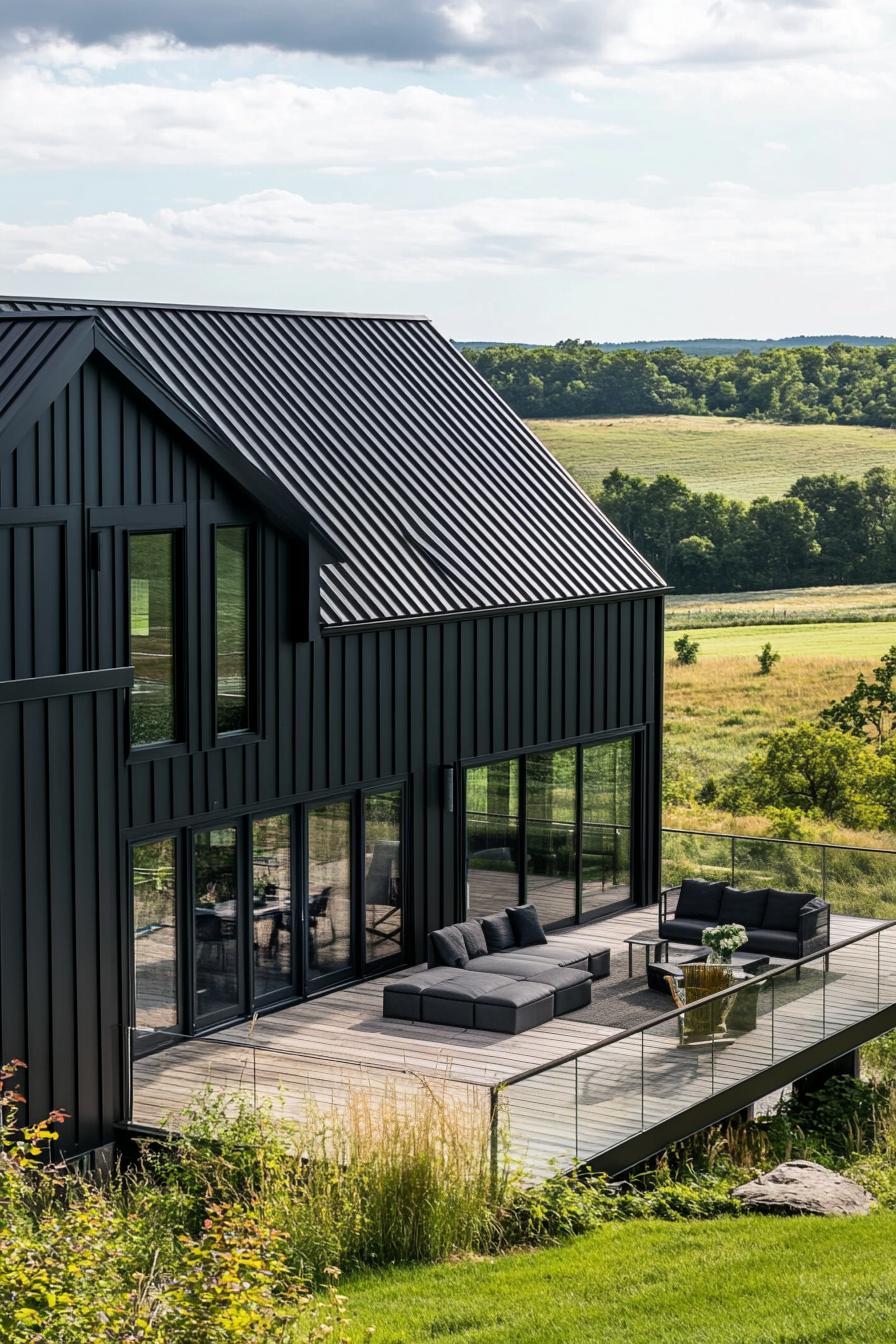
{"x": 515, "y": 963}
{"x": 686, "y": 930}
{"x": 572, "y": 988}
{"x": 449, "y": 946}
{"x": 526, "y": 925}
{"x": 474, "y": 938}
{"x": 698, "y": 899}
{"x": 401, "y": 998}
{"x": 514, "y": 1008}
{"x": 743, "y": 907}
{"x": 773, "y": 942}
{"x": 450, "y": 1002}
{"x": 556, "y": 954}
{"x": 783, "y": 909}
{"x": 498, "y": 933}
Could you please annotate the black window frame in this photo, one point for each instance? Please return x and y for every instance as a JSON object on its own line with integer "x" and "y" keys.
{"x": 179, "y": 682}
{"x": 212, "y": 517}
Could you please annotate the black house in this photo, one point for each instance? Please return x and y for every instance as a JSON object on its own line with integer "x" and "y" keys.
{"x": 307, "y": 644}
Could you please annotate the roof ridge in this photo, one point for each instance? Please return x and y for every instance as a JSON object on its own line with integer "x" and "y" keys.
{"x": 161, "y": 305}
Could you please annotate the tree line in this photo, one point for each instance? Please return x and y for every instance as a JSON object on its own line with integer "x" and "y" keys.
{"x": 835, "y": 384}
{"x": 827, "y": 529}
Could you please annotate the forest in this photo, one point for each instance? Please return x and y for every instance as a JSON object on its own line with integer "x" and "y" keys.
{"x": 836, "y": 384}
{"x": 827, "y": 529}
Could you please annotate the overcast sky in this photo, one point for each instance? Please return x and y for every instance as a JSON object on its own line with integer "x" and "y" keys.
{"x": 518, "y": 169}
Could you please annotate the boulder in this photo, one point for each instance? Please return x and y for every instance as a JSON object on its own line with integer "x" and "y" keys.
{"x": 803, "y": 1187}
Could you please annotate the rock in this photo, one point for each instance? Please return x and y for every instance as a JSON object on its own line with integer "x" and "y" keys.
{"x": 803, "y": 1187}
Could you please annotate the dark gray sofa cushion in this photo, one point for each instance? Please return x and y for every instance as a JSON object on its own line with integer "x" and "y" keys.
{"x": 572, "y": 988}
{"x": 685, "y": 930}
{"x": 783, "y": 909}
{"x": 498, "y": 933}
{"x": 450, "y": 1003}
{"x": 699, "y": 899}
{"x": 519, "y": 1007}
{"x": 401, "y": 998}
{"x": 526, "y": 925}
{"x": 514, "y": 963}
{"x": 743, "y": 907}
{"x": 773, "y": 942}
{"x": 555, "y": 954}
{"x": 474, "y": 938}
{"x": 449, "y": 946}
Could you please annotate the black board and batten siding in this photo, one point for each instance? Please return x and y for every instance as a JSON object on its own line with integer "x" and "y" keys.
{"x": 349, "y": 708}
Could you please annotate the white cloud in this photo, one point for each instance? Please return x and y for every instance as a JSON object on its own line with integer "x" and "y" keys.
{"x": 653, "y": 179}
{"x": 64, "y": 263}
{"x": 256, "y": 121}
{"x": 724, "y": 230}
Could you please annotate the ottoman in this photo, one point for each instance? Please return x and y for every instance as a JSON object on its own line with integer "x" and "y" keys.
{"x": 572, "y": 988}
{"x": 402, "y": 997}
{"x": 450, "y": 1002}
{"x": 515, "y": 1007}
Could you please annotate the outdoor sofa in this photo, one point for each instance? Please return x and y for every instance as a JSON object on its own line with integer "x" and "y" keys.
{"x": 788, "y": 924}
{"x": 500, "y": 973}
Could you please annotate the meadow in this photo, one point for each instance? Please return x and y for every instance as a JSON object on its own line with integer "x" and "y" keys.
{"x": 860, "y": 640}
{"x": 783, "y": 606}
{"x": 738, "y": 458}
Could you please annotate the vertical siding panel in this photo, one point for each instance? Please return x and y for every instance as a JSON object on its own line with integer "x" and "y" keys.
{"x": 484, "y": 723}
{"x": 584, "y": 714}
{"x": 400, "y": 655}
{"x": 636, "y": 680}
{"x": 498, "y": 697}
{"x": 335, "y": 718}
{"x": 612, "y": 665}
{"x": 37, "y": 906}
{"x": 13, "y": 949}
{"x": 88, "y": 933}
{"x": 543, "y": 687}
{"x": 528, "y": 679}
{"x": 467, "y": 689}
{"x": 626, "y": 670}
{"x": 304, "y": 712}
{"x": 385, "y": 724}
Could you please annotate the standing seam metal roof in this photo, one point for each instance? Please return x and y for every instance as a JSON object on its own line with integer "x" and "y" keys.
{"x": 440, "y": 497}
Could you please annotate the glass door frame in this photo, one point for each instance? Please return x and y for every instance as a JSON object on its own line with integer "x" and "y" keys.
{"x": 637, "y": 736}
{"x": 295, "y": 988}
{"x": 146, "y": 1040}
{"x": 242, "y": 952}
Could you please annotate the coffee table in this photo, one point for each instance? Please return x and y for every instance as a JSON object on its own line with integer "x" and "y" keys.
{"x": 649, "y": 939}
{"x": 743, "y": 965}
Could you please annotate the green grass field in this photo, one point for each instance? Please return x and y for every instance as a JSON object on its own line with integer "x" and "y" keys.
{"x": 780, "y": 606}
{"x": 730, "y": 1281}
{"x": 739, "y": 458}
{"x": 861, "y": 639}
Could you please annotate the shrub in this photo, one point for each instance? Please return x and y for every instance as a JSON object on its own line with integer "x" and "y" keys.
{"x": 686, "y": 650}
{"x": 766, "y": 658}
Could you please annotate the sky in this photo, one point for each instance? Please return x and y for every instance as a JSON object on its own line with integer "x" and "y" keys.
{"x": 525, "y": 170}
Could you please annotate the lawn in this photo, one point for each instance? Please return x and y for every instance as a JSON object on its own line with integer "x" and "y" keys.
{"x": 865, "y": 640}
{"x": 848, "y": 602}
{"x": 739, "y": 458}
{"x": 766, "y": 1281}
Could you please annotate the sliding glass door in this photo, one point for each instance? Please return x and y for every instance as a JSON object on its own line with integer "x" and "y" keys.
{"x": 552, "y": 829}
{"x": 219, "y": 990}
{"x": 328, "y": 909}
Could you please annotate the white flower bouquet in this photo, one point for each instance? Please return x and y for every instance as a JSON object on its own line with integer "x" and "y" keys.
{"x": 723, "y": 940}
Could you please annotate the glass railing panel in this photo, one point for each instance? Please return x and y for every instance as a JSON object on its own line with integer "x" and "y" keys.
{"x": 678, "y": 1063}
{"x": 852, "y": 984}
{"x": 609, "y": 1095}
{"x": 862, "y": 882}
{"x": 166, "y": 1083}
{"x": 745, "y": 1040}
{"x": 773, "y": 863}
{"x": 538, "y": 1120}
{"x": 695, "y": 854}
{"x": 887, "y": 962}
{"x": 798, "y": 1005}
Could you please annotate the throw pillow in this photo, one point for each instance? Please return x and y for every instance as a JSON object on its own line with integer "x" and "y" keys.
{"x": 743, "y": 907}
{"x": 450, "y": 946}
{"x": 498, "y": 933}
{"x": 474, "y": 938}
{"x": 526, "y": 925}
{"x": 783, "y": 909}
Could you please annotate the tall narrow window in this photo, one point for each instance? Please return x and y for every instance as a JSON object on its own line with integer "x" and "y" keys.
{"x": 606, "y": 823}
{"x": 551, "y": 833}
{"x": 232, "y": 629}
{"x": 153, "y": 892}
{"x": 152, "y": 638}
{"x": 493, "y": 837}
{"x": 272, "y": 903}
{"x": 382, "y": 874}
{"x": 216, "y": 922}
{"x": 329, "y": 912}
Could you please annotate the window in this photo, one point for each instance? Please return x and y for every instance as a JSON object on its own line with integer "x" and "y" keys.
{"x": 329, "y": 913}
{"x": 493, "y": 836}
{"x": 382, "y": 874}
{"x": 606, "y": 822}
{"x": 216, "y": 923}
{"x": 154, "y": 707}
{"x": 153, "y": 894}
{"x": 272, "y": 903}
{"x": 232, "y": 629}
{"x": 551, "y": 837}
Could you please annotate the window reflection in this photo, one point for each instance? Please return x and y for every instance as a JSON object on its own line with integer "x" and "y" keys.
{"x": 272, "y": 903}
{"x": 382, "y": 874}
{"x": 493, "y": 836}
{"x": 153, "y": 888}
{"x": 329, "y": 911}
{"x": 152, "y": 637}
{"x": 231, "y": 628}
{"x": 606, "y": 818}
{"x": 551, "y": 833}
{"x": 216, "y": 923}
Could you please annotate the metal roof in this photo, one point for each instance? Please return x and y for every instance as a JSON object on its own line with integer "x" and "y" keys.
{"x": 27, "y": 347}
{"x": 438, "y": 495}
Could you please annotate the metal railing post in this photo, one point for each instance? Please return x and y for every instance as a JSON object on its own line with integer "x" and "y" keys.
{"x": 733, "y": 843}
{"x": 575, "y": 1104}
{"x": 824, "y": 872}
{"x": 493, "y": 1136}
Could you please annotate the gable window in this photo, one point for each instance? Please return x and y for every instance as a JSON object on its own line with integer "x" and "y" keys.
{"x": 232, "y": 714}
{"x": 153, "y": 637}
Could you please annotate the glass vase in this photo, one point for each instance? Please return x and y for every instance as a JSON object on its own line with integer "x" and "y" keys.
{"x": 718, "y": 958}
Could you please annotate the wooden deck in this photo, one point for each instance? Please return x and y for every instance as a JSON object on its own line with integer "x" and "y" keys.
{"x": 316, "y": 1054}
